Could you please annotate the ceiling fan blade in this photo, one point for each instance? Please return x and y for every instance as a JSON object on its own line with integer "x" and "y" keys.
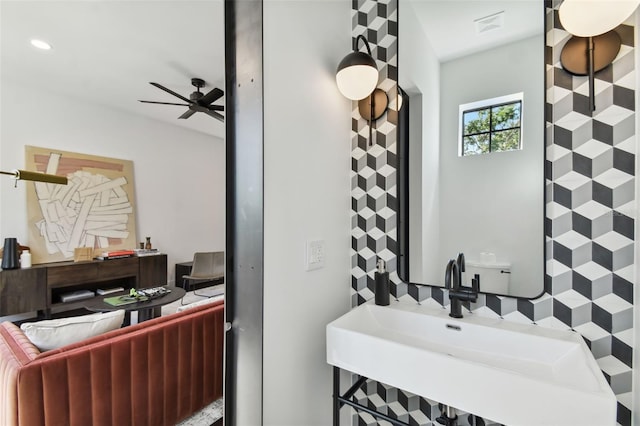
{"x": 215, "y": 115}
{"x": 161, "y": 103}
{"x": 216, "y": 108}
{"x": 211, "y": 97}
{"x": 188, "y": 113}
{"x": 170, "y": 92}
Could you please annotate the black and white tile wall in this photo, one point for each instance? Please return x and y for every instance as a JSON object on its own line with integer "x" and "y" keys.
{"x": 373, "y": 179}
{"x": 590, "y": 210}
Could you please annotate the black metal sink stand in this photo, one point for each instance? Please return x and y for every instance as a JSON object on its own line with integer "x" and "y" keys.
{"x": 339, "y": 401}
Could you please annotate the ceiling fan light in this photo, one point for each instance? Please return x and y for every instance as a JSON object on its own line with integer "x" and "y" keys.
{"x": 589, "y": 18}
{"x": 199, "y": 102}
{"x": 357, "y": 75}
{"x": 40, "y": 44}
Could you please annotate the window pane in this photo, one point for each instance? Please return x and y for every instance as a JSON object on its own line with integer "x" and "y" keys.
{"x": 506, "y": 116}
{"x": 478, "y": 144}
{"x": 476, "y": 121}
{"x": 505, "y": 140}
{"x": 491, "y": 125}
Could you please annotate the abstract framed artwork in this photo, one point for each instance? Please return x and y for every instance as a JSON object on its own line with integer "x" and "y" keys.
{"x": 96, "y": 209}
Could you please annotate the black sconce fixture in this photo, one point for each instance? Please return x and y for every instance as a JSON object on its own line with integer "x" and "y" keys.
{"x": 594, "y": 44}
{"x": 36, "y": 177}
{"x": 357, "y": 77}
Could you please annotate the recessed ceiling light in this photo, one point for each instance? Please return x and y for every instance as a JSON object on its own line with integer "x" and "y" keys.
{"x": 40, "y": 44}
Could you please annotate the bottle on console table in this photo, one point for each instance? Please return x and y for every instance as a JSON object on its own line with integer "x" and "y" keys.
{"x": 10, "y": 258}
{"x": 25, "y": 259}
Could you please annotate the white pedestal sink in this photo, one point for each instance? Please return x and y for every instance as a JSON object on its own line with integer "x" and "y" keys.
{"x": 511, "y": 373}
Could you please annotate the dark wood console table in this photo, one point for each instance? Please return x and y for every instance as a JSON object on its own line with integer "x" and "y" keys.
{"x": 39, "y": 288}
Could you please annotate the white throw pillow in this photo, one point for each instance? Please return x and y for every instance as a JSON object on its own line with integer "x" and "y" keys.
{"x": 200, "y": 303}
{"x": 52, "y": 334}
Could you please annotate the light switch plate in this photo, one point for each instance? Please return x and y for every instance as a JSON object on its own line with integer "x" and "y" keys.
{"x": 314, "y": 255}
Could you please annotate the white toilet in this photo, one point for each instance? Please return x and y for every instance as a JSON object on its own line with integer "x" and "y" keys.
{"x": 494, "y": 277}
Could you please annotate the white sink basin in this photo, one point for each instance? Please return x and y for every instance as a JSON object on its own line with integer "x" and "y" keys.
{"x": 515, "y": 374}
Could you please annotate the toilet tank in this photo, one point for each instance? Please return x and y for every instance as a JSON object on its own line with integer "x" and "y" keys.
{"x": 494, "y": 277}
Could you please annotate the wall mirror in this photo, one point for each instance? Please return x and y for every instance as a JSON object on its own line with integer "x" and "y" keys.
{"x": 473, "y": 161}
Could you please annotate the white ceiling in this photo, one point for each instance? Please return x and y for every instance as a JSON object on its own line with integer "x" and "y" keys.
{"x": 107, "y": 52}
{"x": 449, "y": 24}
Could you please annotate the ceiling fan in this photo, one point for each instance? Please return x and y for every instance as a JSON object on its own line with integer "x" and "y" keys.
{"x": 198, "y": 102}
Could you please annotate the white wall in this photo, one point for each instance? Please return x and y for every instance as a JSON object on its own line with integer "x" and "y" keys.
{"x": 306, "y": 193}
{"x": 419, "y": 76}
{"x": 487, "y": 199}
{"x": 179, "y": 174}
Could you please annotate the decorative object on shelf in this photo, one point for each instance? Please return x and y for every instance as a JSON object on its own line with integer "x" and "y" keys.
{"x": 82, "y": 254}
{"x": 78, "y": 221}
{"x": 357, "y": 78}
{"x": 10, "y": 256}
{"x": 147, "y": 246}
{"x": 152, "y": 292}
{"x": 141, "y": 245}
{"x": 25, "y": 259}
{"x": 36, "y": 177}
{"x": 146, "y": 252}
{"x": 115, "y": 254}
{"x": 76, "y": 295}
{"x": 594, "y": 44}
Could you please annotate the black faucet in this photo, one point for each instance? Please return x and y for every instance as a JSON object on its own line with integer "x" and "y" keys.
{"x": 457, "y": 292}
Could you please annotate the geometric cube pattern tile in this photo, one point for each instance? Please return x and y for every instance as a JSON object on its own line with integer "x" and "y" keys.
{"x": 590, "y": 211}
{"x": 590, "y": 181}
{"x": 373, "y": 160}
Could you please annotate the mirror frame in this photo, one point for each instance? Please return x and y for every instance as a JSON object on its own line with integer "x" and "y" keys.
{"x": 402, "y": 131}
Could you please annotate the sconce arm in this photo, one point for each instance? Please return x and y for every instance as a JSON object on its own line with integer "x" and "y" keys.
{"x": 366, "y": 44}
{"x": 36, "y": 177}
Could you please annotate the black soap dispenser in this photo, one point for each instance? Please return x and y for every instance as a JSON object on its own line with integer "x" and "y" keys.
{"x": 382, "y": 284}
